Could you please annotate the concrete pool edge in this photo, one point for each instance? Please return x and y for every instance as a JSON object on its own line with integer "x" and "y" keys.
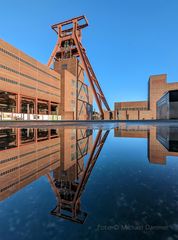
{"x": 82, "y": 122}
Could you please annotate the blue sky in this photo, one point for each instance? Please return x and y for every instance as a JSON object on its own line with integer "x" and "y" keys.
{"x": 126, "y": 41}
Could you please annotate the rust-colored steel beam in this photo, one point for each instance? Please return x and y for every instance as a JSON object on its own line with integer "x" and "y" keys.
{"x": 69, "y": 45}
{"x": 78, "y": 19}
{"x": 97, "y": 147}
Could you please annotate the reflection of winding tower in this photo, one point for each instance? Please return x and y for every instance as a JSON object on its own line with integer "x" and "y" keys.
{"x": 69, "y": 186}
{"x": 66, "y": 55}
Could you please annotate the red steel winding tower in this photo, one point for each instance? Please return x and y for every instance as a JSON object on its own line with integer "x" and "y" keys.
{"x": 69, "y": 46}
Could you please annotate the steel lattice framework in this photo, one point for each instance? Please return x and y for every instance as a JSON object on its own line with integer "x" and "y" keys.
{"x": 69, "y": 45}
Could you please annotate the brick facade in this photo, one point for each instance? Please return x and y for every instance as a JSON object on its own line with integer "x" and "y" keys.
{"x": 143, "y": 110}
{"x": 61, "y": 91}
{"x": 76, "y": 95}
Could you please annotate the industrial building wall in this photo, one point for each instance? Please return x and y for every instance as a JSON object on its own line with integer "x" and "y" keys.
{"x": 167, "y": 106}
{"x": 173, "y": 114}
{"x": 71, "y": 65}
{"x": 30, "y": 85}
{"x": 157, "y": 87}
{"x": 141, "y": 105}
{"x": 84, "y": 101}
{"x": 76, "y": 96}
{"x": 146, "y": 115}
{"x": 130, "y": 110}
{"x": 163, "y": 107}
{"x": 24, "y": 76}
{"x": 146, "y": 109}
{"x": 69, "y": 91}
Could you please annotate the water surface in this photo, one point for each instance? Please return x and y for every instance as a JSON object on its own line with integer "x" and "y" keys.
{"x": 90, "y": 182}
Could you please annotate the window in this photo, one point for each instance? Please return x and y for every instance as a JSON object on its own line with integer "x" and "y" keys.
{"x": 73, "y": 83}
{"x": 64, "y": 66}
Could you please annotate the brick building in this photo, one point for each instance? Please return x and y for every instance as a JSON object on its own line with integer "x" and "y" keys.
{"x": 143, "y": 110}
{"x": 30, "y": 90}
{"x": 76, "y": 100}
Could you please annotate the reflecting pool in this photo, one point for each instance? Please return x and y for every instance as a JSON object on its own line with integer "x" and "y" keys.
{"x": 106, "y": 181}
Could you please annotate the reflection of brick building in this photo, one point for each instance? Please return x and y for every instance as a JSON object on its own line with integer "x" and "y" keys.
{"x": 27, "y": 160}
{"x": 145, "y": 109}
{"x": 157, "y": 152}
{"x": 28, "y": 154}
{"x": 29, "y": 87}
{"x": 130, "y": 131}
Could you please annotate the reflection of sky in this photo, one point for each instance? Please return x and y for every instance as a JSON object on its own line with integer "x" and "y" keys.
{"x": 124, "y": 188}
